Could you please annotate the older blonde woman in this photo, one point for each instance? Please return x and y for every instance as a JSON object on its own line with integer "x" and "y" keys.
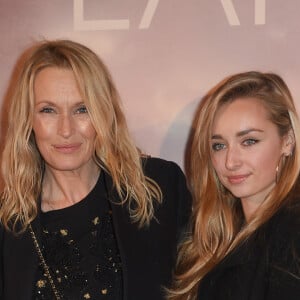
{"x": 84, "y": 215}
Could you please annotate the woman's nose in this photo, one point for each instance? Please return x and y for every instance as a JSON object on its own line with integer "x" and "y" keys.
{"x": 233, "y": 158}
{"x": 65, "y": 126}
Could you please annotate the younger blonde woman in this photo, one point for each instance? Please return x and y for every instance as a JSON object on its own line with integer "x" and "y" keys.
{"x": 244, "y": 174}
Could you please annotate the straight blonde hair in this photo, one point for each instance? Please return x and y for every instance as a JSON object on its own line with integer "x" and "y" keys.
{"x": 217, "y": 215}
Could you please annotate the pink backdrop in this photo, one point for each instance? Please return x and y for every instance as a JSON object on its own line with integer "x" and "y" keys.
{"x": 164, "y": 54}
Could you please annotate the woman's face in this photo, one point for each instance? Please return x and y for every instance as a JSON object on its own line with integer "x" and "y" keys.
{"x": 62, "y": 127}
{"x": 246, "y": 149}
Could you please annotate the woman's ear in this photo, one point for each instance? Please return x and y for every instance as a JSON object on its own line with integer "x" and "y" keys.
{"x": 288, "y": 143}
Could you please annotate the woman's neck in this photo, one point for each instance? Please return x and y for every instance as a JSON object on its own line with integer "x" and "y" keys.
{"x": 61, "y": 189}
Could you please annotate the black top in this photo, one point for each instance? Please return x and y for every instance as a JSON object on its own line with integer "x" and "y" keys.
{"x": 79, "y": 246}
{"x": 264, "y": 267}
{"x": 147, "y": 253}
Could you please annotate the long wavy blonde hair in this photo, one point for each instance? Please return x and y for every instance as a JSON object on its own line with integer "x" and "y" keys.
{"x": 217, "y": 215}
{"x": 22, "y": 164}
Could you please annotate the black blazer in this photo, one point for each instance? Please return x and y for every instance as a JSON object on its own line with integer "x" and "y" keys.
{"x": 147, "y": 254}
{"x": 265, "y": 267}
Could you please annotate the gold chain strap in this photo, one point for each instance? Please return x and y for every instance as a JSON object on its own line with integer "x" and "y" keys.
{"x": 45, "y": 266}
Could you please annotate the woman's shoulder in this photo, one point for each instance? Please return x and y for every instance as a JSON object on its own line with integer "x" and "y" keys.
{"x": 166, "y": 173}
{"x": 285, "y": 241}
{"x": 157, "y": 161}
{"x": 284, "y": 253}
{"x": 159, "y": 166}
{"x": 285, "y": 225}
{"x": 172, "y": 182}
{"x": 288, "y": 218}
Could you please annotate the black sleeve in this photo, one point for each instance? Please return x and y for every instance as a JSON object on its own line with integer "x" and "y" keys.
{"x": 284, "y": 278}
{"x": 1, "y": 261}
{"x": 172, "y": 182}
{"x": 184, "y": 202}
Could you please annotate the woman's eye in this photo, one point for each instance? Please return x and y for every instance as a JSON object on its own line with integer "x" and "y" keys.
{"x": 47, "y": 110}
{"x": 82, "y": 110}
{"x": 218, "y": 146}
{"x": 249, "y": 142}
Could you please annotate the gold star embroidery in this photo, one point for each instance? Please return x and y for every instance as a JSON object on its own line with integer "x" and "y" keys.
{"x": 87, "y": 296}
{"x": 104, "y": 291}
{"x": 63, "y": 232}
{"x": 41, "y": 283}
{"x": 96, "y": 221}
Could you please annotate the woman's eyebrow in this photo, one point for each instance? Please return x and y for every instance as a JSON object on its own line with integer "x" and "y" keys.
{"x": 239, "y": 134}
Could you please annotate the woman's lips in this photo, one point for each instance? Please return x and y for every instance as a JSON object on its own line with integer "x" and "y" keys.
{"x": 69, "y": 148}
{"x": 237, "y": 178}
